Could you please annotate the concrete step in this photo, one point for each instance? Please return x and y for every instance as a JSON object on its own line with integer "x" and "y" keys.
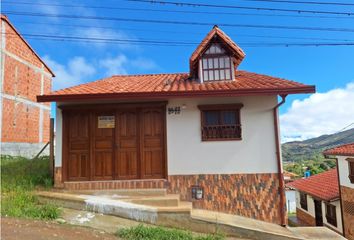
{"x": 124, "y": 192}
{"x": 163, "y": 201}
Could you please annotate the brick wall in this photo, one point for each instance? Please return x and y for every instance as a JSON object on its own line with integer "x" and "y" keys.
{"x": 348, "y": 211}
{"x": 305, "y": 218}
{"x": 249, "y": 195}
{"x": 24, "y": 76}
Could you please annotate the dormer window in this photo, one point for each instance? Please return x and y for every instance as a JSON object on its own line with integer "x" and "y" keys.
{"x": 216, "y": 65}
{"x": 216, "y": 58}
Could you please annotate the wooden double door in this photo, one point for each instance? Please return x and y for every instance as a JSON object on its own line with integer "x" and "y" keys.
{"x": 107, "y": 144}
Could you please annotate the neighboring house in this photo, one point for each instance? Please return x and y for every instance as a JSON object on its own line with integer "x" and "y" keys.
{"x": 210, "y": 135}
{"x": 317, "y": 200}
{"x": 289, "y": 176}
{"x": 24, "y": 123}
{"x": 344, "y": 156}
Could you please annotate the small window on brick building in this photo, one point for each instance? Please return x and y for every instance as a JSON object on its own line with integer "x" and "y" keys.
{"x": 303, "y": 200}
{"x": 220, "y": 122}
{"x": 351, "y": 169}
{"x": 331, "y": 215}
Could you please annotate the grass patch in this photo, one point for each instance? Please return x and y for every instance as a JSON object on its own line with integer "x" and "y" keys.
{"x": 142, "y": 232}
{"x": 19, "y": 177}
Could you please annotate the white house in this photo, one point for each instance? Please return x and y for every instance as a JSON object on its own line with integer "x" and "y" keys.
{"x": 344, "y": 155}
{"x": 210, "y": 135}
{"x": 318, "y": 201}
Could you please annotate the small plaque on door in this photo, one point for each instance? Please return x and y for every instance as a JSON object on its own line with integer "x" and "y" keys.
{"x": 106, "y": 121}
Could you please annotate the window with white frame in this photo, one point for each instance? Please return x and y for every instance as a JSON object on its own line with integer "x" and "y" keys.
{"x": 216, "y": 64}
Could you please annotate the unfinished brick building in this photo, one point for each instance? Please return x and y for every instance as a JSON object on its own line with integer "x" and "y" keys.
{"x": 24, "y": 123}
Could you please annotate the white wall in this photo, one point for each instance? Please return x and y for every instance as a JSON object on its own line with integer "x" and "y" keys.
{"x": 58, "y": 137}
{"x": 310, "y": 204}
{"x": 343, "y": 168}
{"x": 255, "y": 153}
{"x": 336, "y": 203}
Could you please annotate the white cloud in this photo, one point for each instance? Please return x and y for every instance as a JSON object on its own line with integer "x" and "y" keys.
{"x": 321, "y": 113}
{"x": 121, "y": 64}
{"x": 144, "y": 64}
{"x": 78, "y": 70}
{"x": 100, "y": 33}
{"x": 75, "y": 72}
{"x": 114, "y": 65}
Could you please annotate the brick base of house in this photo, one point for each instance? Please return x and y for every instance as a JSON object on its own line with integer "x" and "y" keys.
{"x": 250, "y": 195}
{"x": 347, "y": 195}
{"x": 305, "y": 218}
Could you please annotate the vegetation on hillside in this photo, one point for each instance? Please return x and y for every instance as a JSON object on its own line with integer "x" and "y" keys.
{"x": 142, "y": 232}
{"x": 19, "y": 177}
{"x": 314, "y": 166}
{"x": 312, "y": 149}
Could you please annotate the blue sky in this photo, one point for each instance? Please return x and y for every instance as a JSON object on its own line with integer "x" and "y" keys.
{"x": 329, "y": 68}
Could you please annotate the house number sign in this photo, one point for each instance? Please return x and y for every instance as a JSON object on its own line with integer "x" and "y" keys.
{"x": 174, "y": 110}
{"x": 106, "y": 121}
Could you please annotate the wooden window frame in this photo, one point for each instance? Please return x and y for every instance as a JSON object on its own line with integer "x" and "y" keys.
{"x": 350, "y": 169}
{"x": 213, "y": 69}
{"x": 331, "y": 219}
{"x": 221, "y": 108}
{"x": 303, "y": 205}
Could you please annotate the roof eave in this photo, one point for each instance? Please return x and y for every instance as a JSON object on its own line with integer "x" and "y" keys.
{"x": 318, "y": 197}
{"x": 176, "y": 94}
{"x": 338, "y": 154}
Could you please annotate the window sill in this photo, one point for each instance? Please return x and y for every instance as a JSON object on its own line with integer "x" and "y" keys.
{"x": 221, "y": 139}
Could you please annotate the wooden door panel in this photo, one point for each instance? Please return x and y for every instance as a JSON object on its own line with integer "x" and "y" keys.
{"x": 127, "y": 145}
{"x": 152, "y": 149}
{"x": 78, "y": 146}
{"x": 103, "y": 165}
{"x": 103, "y": 148}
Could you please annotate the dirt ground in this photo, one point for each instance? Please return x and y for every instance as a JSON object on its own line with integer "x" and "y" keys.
{"x": 14, "y": 229}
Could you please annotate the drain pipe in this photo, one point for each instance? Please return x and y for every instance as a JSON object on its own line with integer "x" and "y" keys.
{"x": 279, "y": 163}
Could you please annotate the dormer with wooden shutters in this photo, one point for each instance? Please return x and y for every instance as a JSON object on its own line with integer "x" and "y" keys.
{"x": 216, "y": 58}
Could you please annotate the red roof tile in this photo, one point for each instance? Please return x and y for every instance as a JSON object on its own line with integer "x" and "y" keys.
{"x": 323, "y": 185}
{"x": 343, "y": 150}
{"x": 176, "y": 85}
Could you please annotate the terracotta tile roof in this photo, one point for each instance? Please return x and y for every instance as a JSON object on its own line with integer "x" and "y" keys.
{"x": 216, "y": 31}
{"x": 176, "y": 85}
{"x": 5, "y": 18}
{"x": 343, "y": 150}
{"x": 323, "y": 185}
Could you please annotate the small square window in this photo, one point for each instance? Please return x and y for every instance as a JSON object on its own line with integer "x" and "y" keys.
{"x": 211, "y": 75}
{"x": 222, "y": 74}
{"x": 205, "y": 63}
{"x": 216, "y": 63}
{"x": 216, "y": 74}
{"x": 205, "y": 75}
{"x": 227, "y": 74}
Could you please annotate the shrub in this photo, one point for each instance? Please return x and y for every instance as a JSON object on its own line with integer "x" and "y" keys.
{"x": 142, "y": 232}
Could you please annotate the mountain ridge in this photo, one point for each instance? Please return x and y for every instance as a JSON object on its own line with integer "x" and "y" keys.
{"x": 311, "y": 149}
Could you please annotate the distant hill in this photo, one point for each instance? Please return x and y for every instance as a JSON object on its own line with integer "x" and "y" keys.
{"x": 311, "y": 149}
